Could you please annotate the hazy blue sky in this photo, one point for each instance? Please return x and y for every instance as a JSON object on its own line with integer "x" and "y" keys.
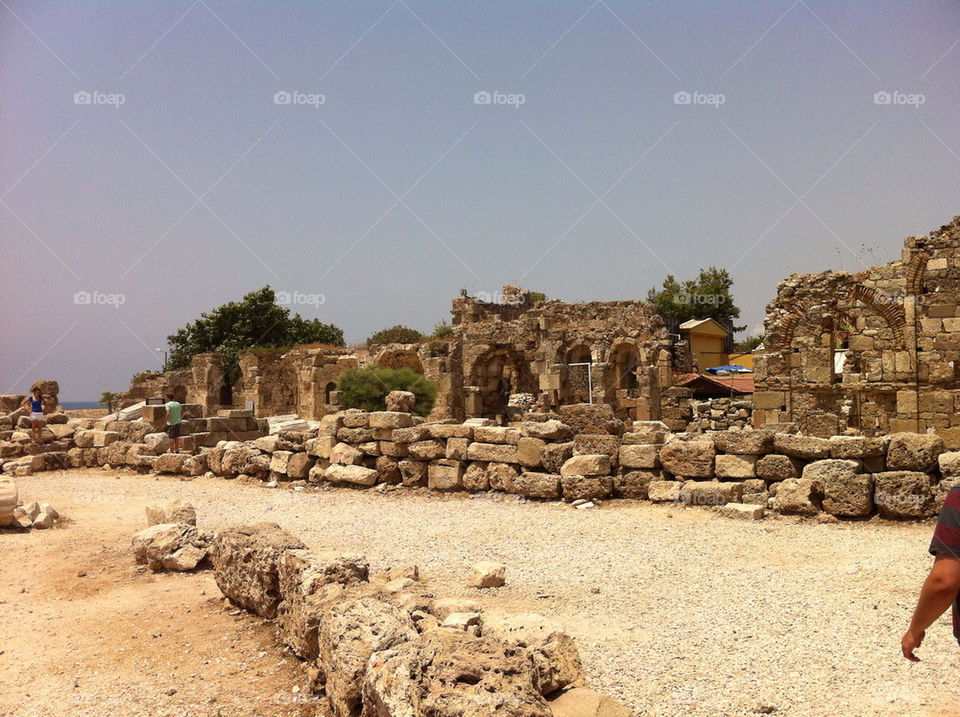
{"x": 384, "y": 186}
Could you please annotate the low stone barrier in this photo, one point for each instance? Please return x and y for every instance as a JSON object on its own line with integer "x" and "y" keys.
{"x": 580, "y": 453}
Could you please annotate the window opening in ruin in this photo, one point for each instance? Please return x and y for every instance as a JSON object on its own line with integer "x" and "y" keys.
{"x": 626, "y": 360}
{"x": 331, "y": 387}
{"x": 582, "y": 369}
{"x": 226, "y": 394}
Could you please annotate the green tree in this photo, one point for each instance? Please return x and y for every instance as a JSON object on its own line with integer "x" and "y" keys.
{"x": 707, "y": 296}
{"x": 442, "y": 330}
{"x": 255, "y": 320}
{"x": 108, "y": 398}
{"x": 748, "y": 345}
{"x": 367, "y": 388}
{"x": 395, "y": 335}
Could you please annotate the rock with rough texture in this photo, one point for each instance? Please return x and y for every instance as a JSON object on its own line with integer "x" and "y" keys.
{"x": 552, "y": 430}
{"x": 904, "y": 494}
{"x": 736, "y": 466}
{"x": 640, "y": 455}
{"x": 798, "y": 496}
{"x": 587, "y": 465}
{"x": 493, "y": 452}
{"x": 536, "y": 485}
{"x": 8, "y": 500}
{"x": 346, "y": 455}
{"x": 391, "y": 419}
{"x": 555, "y": 455}
{"x": 245, "y": 561}
{"x": 487, "y": 574}
{"x": 664, "y": 491}
{"x": 501, "y": 475}
{"x": 580, "y": 487}
{"x": 447, "y": 673}
{"x": 555, "y": 655}
{"x": 846, "y": 491}
{"x": 635, "y": 484}
{"x": 179, "y": 511}
{"x": 688, "y": 458}
{"x": 808, "y": 448}
{"x": 401, "y": 401}
{"x": 170, "y": 546}
{"x": 591, "y": 418}
{"x": 358, "y": 475}
{"x": 157, "y": 442}
{"x": 349, "y": 633}
{"x": 309, "y": 584}
{"x": 169, "y": 463}
{"x": 776, "y": 467}
{"x": 445, "y": 475}
{"x": 742, "y": 511}
{"x": 857, "y": 447}
{"x": 913, "y": 451}
{"x": 755, "y": 443}
{"x": 584, "y": 702}
{"x": 711, "y": 493}
{"x": 949, "y": 464}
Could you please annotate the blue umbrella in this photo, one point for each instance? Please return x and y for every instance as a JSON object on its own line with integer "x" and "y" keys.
{"x": 730, "y": 368}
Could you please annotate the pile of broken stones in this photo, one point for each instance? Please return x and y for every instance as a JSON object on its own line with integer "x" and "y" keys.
{"x": 15, "y": 514}
{"x": 377, "y": 647}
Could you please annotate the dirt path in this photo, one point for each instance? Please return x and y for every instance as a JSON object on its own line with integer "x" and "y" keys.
{"x": 675, "y": 611}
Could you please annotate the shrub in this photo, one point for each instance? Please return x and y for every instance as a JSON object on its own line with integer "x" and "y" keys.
{"x": 367, "y": 388}
{"x": 396, "y": 335}
{"x": 442, "y": 330}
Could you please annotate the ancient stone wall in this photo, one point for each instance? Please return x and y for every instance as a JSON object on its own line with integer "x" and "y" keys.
{"x": 877, "y": 351}
{"x": 613, "y": 353}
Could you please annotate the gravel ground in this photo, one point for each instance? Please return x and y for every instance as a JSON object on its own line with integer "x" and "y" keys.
{"x": 675, "y": 610}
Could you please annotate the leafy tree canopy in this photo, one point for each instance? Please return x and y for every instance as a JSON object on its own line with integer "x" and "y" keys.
{"x": 255, "y": 320}
{"x": 396, "y": 335}
{"x": 707, "y": 296}
{"x": 749, "y": 344}
{"x": 367, "y": 388}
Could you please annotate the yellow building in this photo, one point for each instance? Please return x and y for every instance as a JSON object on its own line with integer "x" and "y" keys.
{"x": 708, "y": 341}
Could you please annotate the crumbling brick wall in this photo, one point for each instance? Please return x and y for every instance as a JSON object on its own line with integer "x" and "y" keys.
{"x": 876, "y": 351}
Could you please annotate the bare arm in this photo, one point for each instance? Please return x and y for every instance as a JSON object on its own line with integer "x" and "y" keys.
{"x": 938, "y": 592}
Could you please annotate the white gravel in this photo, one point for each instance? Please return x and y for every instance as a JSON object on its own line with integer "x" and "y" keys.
{"x": 675, "y": 610}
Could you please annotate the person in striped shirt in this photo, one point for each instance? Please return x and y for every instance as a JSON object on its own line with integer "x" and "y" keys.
{"x": 942, "y": 586}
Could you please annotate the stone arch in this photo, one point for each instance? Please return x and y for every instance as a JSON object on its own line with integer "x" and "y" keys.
{"x": 328, "y": 390}
{"x": 889, "y": 311}
{"x": 497, "y": 373}
{"x": 625, "y": 360}
{"x": 915, "y": 272}
{"x": 579, "y": 353}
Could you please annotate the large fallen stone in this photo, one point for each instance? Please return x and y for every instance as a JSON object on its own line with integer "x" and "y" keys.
{"x": 635, "y": 484}
{"x": 857, "y": 447}
{"x": 776, "y": 467}
{"x": 245, "y": 561}
{"x": 584, "y": 702}
{"x": 447, "y": 673}
{"x": 736, "y": 466}
{"x": 8, "y": 500}
{"x": 169, "y": 463}
{"x": 580, "y": 487}
{"x": 798, "y": 496}
{"x": 846, "y": 492}
{"x": 913, "y": 451}
{"x": 688, "y": 458}
{"x": 170, "y": 546}
{"x": 664, "y": 491}
{"x": 157, "y": 442}
{"x": 487, "y": 574}
{"x": 350, "y": 632}
{"x": 357, "y": 475}
{"x": 949, "y": 464}
{"x": 552, "y": 430}
{"x": 590, "y": 418}
{"x": 742, "y": 511}
{"x": 535, "y": 485}
{"x": 745, "y": 442}
{"x": 555, "y": 655}
{"x": 179, "y": 511}
{"x": 640, "y": 455}
{"x": 904, "y": 494}
{"x": 809, "y": 448}
{"x": 711, "y": 493}
{"x": 587, "y": 465}
{"x": 309, "y": 584}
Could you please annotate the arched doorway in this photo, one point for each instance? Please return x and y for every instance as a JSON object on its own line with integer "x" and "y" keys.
{"x": 330, "y": 388}
{"x": 498, "y": 373}
{"x": 626, "y": 360}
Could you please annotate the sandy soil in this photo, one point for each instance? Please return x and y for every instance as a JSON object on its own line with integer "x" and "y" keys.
{"x": 676, "y": 611}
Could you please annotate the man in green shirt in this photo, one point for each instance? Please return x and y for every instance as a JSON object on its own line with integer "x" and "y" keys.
{"x": 174, "y": 411}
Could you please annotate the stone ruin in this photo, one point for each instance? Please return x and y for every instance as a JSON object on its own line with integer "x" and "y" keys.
{"x": 543, "y": 354}
{"x": 380, "y": 645}
{"x": 872, "y": 352}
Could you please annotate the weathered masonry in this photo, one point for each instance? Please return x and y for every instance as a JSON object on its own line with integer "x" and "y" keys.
{"x": 877, "y": 351}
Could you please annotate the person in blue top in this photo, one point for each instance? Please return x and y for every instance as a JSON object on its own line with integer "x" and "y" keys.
{"x": 34, "y": 404}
